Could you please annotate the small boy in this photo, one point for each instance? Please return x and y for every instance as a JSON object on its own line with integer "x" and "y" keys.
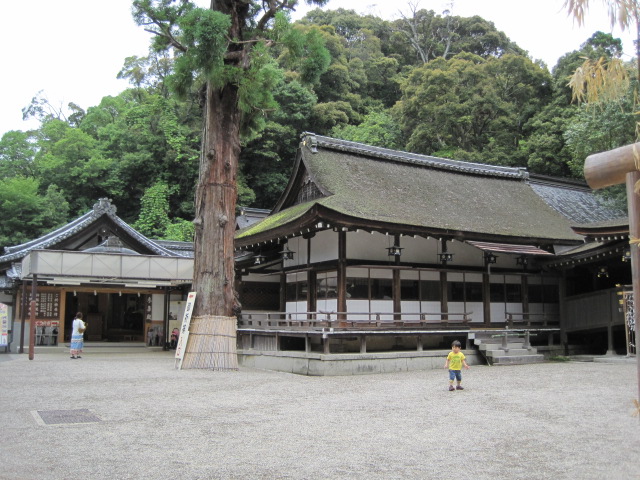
{"x": 454, "y": 363}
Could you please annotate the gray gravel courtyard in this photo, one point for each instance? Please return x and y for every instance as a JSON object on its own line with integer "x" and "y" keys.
{"x": 547, "y": 421}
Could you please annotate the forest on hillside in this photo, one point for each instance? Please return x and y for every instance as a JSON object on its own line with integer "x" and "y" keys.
{"x": 427, "y": 83}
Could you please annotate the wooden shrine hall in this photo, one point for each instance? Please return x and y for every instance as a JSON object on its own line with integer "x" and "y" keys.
{"x": 373, "y": 250}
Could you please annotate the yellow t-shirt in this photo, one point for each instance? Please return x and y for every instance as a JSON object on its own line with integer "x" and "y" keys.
{"x": 455, "y": 360}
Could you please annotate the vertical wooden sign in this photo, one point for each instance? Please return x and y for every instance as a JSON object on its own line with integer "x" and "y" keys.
{"x": 184, "y": 330}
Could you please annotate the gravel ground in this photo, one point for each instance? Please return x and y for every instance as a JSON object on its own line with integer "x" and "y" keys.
{"x": 546, "y": 421}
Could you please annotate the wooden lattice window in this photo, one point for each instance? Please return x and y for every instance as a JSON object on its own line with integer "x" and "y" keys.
{"x": 260, "y": 296}
{"x": 308, "y": 192}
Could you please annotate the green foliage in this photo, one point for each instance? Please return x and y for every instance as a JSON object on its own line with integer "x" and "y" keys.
{"x": 477, "y": 98}
{"x": 378, "y": 129}
{"x": 204, "y": 40}
{"x": 472, "y": 104}
{"x": 26, "y": 214}
{"x": 17, "y": 151}
{"x": 180, "y": 230}
{"x": 154, "y": 211}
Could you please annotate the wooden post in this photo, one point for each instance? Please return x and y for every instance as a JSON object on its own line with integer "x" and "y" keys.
{"x": 363, "y": 344}
{"x": 486, "y": 298}
{"x": 342, "y": 277}
{"x": 396, "y": 286}
{"x": 524, "y": 285}
{"x": 614, "y": 167}
{"x": 444, "y": 302}
{"x": 633, "y": 205}
{"x": 32, "y": 318}
{"x": 283, "y": 292}
{"x": 23, "y": 314}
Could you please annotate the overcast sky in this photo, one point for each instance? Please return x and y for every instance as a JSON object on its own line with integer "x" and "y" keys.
{"x": 73, "y": 49}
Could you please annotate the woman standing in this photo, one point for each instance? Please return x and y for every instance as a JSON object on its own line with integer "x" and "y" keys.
{"x": 77, "y": 336}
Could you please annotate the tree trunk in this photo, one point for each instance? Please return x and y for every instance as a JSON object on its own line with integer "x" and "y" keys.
{"x": 215, "y": 204}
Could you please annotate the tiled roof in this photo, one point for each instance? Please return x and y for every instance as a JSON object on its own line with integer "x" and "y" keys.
{"x": 574, "y": 200}
{"x": 381, "y": 185}
{"x": 100, "y": 209}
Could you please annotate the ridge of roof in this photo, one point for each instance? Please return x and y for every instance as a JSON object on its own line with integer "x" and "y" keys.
{"x": 561, "y": 182}
{"x": 101, "y": 208}
{"x": 313, "y": 141}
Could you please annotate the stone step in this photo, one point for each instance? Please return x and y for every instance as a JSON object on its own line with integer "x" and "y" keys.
{"x": 517, "y": 359}
{"x": 511, "y": 353}
{"x": 497, "y": 346}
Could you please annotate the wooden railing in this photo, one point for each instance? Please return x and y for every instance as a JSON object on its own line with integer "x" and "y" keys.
{"x": 515, "y": 320}
{"x": 347, "y": 320}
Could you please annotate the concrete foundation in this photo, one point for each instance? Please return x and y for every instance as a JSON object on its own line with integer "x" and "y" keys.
{"x": 338, "y": 364}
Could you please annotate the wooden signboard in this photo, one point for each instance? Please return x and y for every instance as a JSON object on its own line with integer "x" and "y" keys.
{"x": 184, "y": 330}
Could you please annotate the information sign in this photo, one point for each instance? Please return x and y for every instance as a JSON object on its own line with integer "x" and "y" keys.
{"x": 184, "y": 330}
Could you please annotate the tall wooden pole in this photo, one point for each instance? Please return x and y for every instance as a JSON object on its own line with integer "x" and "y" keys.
{"x": 633, "y": 204}
{"x": 614, "y": 167}
{"x": 32, "y": 318}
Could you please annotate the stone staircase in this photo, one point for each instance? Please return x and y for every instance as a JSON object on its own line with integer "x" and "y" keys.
{"x": 515, "y": 351}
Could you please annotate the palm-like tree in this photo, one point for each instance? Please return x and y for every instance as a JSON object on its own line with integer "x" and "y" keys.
{"x": 597, "y": 80}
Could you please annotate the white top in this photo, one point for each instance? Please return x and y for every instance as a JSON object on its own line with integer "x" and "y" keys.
{"x": 77, "y": 323}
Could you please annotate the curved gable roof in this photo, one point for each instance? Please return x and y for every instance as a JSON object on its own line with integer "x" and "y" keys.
{"x": 100, "y": 210}
{"x": 423, "y": 192}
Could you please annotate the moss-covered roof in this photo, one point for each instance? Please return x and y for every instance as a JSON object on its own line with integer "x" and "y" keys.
{"x": 380, "y": 185}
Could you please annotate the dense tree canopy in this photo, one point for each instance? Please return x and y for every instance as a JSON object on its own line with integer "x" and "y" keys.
{"x": 430, "y": 83}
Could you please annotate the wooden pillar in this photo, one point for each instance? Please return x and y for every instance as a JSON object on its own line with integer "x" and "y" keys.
{"x": 342, "y": 276}
{"x": 165, "y": 319}
{"x": 283, "y": 292}
{"x": 562, "y": 295}
{"x": 486, "y": 298}
{"x": 612, "y": 168}
{"x": 312, "y": 278}
{"x": 524, "y": 285}
{"x": 23, "y": 314}
{"x": 633, "y": 205}
{"x": 396, "y": 284}
{"x": 444, "y": 301}
{"x": 420, "y": 343}
{"x": 363, "y": 344}
{"x": 395, "y": 288}
{"x": 32, "y": 318}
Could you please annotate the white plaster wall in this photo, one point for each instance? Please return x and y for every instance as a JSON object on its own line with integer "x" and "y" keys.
{"x": 298, "y": 245}
{"x": 465, "y": 254}
{"x": 324, "y": 246}
{"x": 411, "y": 307}
{"x": 536, "y": 308}
{"x": 329, "y": 305}
{"x": 380, "y": 273}
{"x": 357, "y": 272}
{"x": 419, "y": 250}
{"x": 367, "y": 246}
{"x": 478, "y": 311}
{"x": 297, "y": 307}
{"x": 429, "y": 275}
{"x": 497, "y": 312}
{"x": 382, "y": 306}
{"x": 514, "y": 308}
{"x": 456, "y": 307}
{"x": 252, "y": 277}
{"x": 431, "y": 307}
{"x": 358, "y": 306}
{"x": 157, "y": 307}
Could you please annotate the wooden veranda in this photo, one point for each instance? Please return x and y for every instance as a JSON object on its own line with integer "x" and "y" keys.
{"x": 320, "y": 328}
